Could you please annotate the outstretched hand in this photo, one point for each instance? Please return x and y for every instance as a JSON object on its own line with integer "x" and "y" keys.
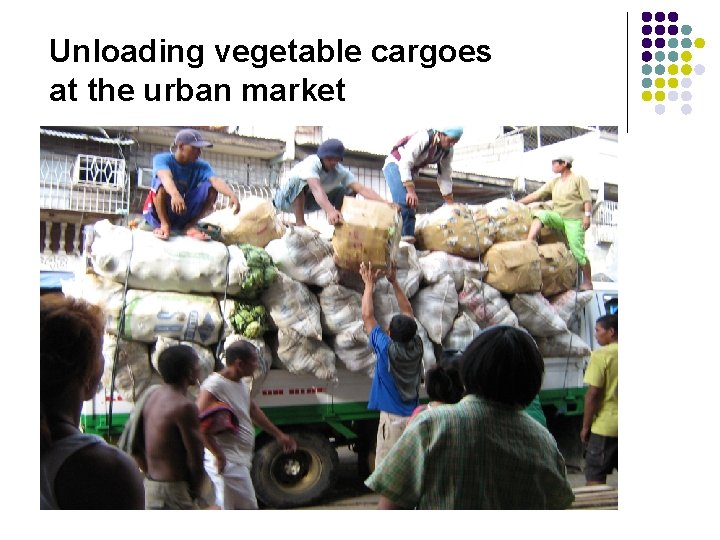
{"x": 391, "y": 274}
{"x": 368, "y": 276}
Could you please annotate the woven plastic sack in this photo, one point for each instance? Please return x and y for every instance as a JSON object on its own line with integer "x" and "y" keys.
{"x": 486, "y": 305}
{"x": 563, "y": 345}
{"x": 133, "y": 374}
{"x": 536, "y": 315}
{"x": 352, "y": 347}
{"x": 340, "y": 309}
{"x": 463, "y": 331}
{"x": 512, "y": 219}
{"x": 301, "y": 354}
{"x": 437, "y": 264}
{"x": 436, "y": 307}
{"x": 292, "y": 305}
{"x": 570, "y": 303}
{"x": 304, "y": 256}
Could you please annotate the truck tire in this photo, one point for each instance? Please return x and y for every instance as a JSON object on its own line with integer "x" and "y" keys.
{"x": 297, "y": 479}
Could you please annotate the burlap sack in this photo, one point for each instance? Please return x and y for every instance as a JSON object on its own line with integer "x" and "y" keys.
{"x": 370, "y": 232}
{"x": 558, "y": 268}
{"x": 257, "y": 223}
{"x": 512, "y": 219}
{"x": 514, "y": 267}
{"x": 451, "y": 229}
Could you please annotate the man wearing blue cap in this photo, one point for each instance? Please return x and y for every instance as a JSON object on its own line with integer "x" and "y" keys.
{"x": 184, "y": 188}
{"x": 408, "y": 156}
{"x": 320, "y": 182}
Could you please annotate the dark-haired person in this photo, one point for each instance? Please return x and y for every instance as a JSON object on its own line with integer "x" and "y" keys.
{"x": 228, "y": 455}
{"x": 572, "y": 209}
{"x": 407, "y": 157}
{"x": 171, "y": 451}
{"x": 484, "y": 452}
{"x": 398, "y": 363}
{"x": 600, "y": 419}
{"x": 77, "y": 471}
{"x": 320, "y": 182}
{"x": 184, "y": 188}
{"x": 443, "y": 387}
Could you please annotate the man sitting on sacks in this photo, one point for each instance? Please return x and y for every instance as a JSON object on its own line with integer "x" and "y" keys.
{"x": 320, "y": 182}
{"x": 399, "y": 366}
{"x": 184, "y": 188}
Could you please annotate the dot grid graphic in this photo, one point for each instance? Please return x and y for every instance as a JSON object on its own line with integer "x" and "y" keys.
{"x": 669, "y": 56}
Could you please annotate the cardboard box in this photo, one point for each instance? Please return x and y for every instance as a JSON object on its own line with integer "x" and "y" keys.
{"x": 370, "y": 232}
{"x": 514, "y": 267}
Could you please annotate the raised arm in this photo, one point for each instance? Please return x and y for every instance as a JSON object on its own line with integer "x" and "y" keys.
{"x": 403, "y": 302}
{"x": 367, "y": 308}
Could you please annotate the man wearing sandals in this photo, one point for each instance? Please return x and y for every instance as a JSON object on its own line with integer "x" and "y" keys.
{"x": 184, "y": 188}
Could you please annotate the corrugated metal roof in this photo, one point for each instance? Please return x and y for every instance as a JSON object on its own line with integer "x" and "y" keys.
{"x": 84, "y": 137}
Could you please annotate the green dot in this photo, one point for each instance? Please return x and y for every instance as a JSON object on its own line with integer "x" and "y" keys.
{"x": 647, "y": 96}
{"x": 659, "y": 69}
{"x": 659, "y": 56}
{"x": 672, "y": 82}
{"x": 685, "y": 29}
{"x": 660, "y": 95}
{"x": 699, "y": 43}
{"x": 686, "y": 43}
{"x": 647, "y": 83}
{"x": 672, "y": 43}
{"x": 673, "y": 56}
{"x": 686, "y": 56}
{"x": 646, "y": 69}
{"x": 686, "y": 69}
{"x": 673, "y": 69}
{"x": 660, "y": 83}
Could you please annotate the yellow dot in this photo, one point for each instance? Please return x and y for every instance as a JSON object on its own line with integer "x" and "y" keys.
{"x": 672, "y": 83}
{"x": 660, "y": 95}
{"x": 647, "y": 96}
{"x": 686, "y": 56}
{"x": 660, "y": 83}
{"x": 686, "y": 69}
{"x": 699, "y": 43}
{"x": 673, "y": 69}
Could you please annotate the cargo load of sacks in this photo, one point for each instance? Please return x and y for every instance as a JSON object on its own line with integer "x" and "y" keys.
{"x": 297, "y": 295}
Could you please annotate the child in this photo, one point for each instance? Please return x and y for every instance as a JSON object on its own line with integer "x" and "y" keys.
{"x": 600, "y": 420}
{"x": 443, "y": 386}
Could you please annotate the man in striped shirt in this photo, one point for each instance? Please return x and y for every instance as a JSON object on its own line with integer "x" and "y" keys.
{"x": 484, "y": 452}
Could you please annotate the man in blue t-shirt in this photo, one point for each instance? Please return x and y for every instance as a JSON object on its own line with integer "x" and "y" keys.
{"x": 184, "y": 188}
{"x": 320, "y": 182}
{"x": 398, "y": 367}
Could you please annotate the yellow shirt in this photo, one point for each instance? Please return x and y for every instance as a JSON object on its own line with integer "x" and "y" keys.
{"x": 568, "y": 195}
{"x": 602, "y": 372}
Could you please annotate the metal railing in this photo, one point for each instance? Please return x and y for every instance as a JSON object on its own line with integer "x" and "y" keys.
{"x": 83, "y": 183}
{"x": 605, "y": 221}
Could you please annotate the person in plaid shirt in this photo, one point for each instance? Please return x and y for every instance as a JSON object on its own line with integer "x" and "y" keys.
{"x": 484, "y": 452}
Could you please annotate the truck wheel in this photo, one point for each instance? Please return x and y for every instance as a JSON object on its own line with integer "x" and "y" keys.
{"x": 297, "y": 479}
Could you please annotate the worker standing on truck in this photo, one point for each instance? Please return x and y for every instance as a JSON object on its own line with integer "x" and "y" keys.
{"x": 320, "y": 182}
{"x": 572, "y": 209}
{"x": 229, "y": 452}
{"x": 398, "y": 367}
{"x": 407, "y": 157}
{"x": 184, "y": 188}
{"x": 600, "y": 419}
{"x": 484, "y": 452}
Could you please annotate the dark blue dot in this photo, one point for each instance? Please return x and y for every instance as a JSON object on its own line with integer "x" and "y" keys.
{"x": 647, "y": 42}
{"x": 659, "y": 43}
{"x": 659, "y": 29}
{"x": 646, "y": 56}
{"x": 672, "y": 16}
{"x": 659, "y": 16}
{"x": 647, "y": 30}
{"x": 672, "y": 30}
{"x": 647, "y": 16}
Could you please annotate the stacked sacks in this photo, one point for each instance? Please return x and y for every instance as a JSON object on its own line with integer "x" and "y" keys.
{"x": 558, "y": 268}
{"x": 456, "y": 229}
{"x": 511, "y": 218}
{"x": 370, "y": 232}
{"x": 436, "y": 307}
{"x": 514, "y": 267}
{"x": 437, "y": 264}
{"x": 463, "y": 331}
{"x": 486, "y": 305}
{"x": 257, "y": 223}
{"x": 304, "y": 256}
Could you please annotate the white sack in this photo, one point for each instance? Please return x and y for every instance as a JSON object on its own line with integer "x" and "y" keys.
{"x": 428, "y": 349}
{"x": 511, "y": 218}
{"x": 257, "y": 223}
{"x": 486, "y": 305}
{"x": 134, "y": 373}
{"x": 301, "y": 354}
{"x": 436, "y": 307}
{"x": 102, "y": 292}
{"x": 463, "y": 331}
{"x": 352, "y": 347}
{"x": 536, "y": 315}
{"x": 340, "y": 309}
{"x": 304, "y": 256}
{"x": 292, "y": 305}
{"x": 438, "y": 264}
{"x": 570, "y": 303}
{"x": 563, "y": 345}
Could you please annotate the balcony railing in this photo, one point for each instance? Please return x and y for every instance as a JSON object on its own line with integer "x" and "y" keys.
{"x": 83, "y": 183}
{"x": 605, "y": 221}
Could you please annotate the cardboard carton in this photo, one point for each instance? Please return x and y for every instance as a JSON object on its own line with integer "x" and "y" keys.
{"x": 514, "y": 267}
{"x": 558, "y": 268}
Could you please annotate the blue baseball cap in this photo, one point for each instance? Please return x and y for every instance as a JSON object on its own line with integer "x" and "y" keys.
{"x": 191, "y": 137}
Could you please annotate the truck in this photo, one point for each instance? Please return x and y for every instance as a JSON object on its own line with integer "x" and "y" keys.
{"x": 324, "y": 416}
